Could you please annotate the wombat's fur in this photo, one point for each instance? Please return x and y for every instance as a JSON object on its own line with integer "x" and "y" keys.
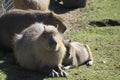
{"x": 42, "y": 5}
{"x": 14, "y": 21}
{"x": 39, "y": 46}
{"x": 77, "y": 54}
{"x": 73, "y": 3}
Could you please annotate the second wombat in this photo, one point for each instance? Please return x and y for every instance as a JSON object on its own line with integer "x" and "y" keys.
{"x": 77, "y": 54}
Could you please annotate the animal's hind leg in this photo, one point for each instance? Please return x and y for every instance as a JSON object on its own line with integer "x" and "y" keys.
{"x": 90, "y": 60}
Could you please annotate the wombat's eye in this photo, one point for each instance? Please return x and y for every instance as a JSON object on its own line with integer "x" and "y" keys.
{"x": 53, "y": 34}
{"x": 45, "y": 35}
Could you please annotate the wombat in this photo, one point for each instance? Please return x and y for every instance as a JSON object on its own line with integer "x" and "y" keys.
{"x": 73, "y": 3}
{"x": 40, "y": 46}
{"x": 14, "y": 21}
{"x": 42, "y": 5}
{"x": 77, "y": 54}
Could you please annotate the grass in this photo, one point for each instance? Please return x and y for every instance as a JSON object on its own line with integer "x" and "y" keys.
{"x": 100, "y": 10}
{"x": 105, "y": 45}
{"x": 103, "y": 41}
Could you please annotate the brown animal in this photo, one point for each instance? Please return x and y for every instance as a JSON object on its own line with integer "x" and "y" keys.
{"x": 42, "y": 5}
{"x": 72, "y": 3}
{"x": 77, "y": 54}
{"x": 40, "y": 46}
{"x": 14, "y": 21}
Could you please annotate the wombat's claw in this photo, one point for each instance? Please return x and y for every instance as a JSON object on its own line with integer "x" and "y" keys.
{"x": 58, "y": 74}
{"x": 63, "y": 74}
{"x": 54, "y": 74}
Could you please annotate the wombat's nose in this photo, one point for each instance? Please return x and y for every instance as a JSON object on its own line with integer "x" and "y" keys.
{"x": 52, "y": 42}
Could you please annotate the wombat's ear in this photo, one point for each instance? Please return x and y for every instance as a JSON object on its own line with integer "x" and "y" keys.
{"x": 66, "y": 42}
{"x": 69, "y": 41}
{"x": 44, "y": 28}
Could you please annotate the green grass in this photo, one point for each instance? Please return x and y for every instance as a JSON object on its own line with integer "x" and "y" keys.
{"x": 99, "y": 10}
{"x": 103, "y": 41}
{"x": 105, "y": 46}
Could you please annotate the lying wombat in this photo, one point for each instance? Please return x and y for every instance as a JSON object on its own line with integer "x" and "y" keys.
{"x": 32, "y": 4}
{"x": 14, "y": 21}
{"x": 77, "y": 54}
{"x": 40, "y": 47}
{"x": 73, "y": 3}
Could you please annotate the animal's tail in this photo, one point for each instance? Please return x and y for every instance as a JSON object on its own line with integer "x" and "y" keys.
{"x": 90, "y": 60}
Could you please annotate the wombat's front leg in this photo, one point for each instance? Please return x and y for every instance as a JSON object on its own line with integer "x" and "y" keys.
{"x": 58, "y": 72}
{"x": 90, "y": 60}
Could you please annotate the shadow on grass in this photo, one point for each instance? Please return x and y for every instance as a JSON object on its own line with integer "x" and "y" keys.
{"x": 15, "y": 72}
{"x": 105, "y": 22}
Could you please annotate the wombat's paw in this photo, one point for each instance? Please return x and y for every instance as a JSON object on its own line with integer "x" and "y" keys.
{"x": 89, "y": 63}
{"x": 53, "y": 73}
{"x": 63, "y": 74}
{"x": 58, "y": 74}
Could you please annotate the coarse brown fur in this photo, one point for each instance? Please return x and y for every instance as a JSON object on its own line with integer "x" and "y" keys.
{"x": 42, "y": 5}
{"x": 77, "y": 54}
{"x": 73, "y": 3}
{"x": 14, "y": 21}
{"x": 39, "y": 46}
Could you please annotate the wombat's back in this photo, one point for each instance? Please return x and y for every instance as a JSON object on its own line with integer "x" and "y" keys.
{"x": 23, "y": 49}
{"x": 14, "y": 21}
{"x": 81, "y": 52}
{"x": 32, "y": 4}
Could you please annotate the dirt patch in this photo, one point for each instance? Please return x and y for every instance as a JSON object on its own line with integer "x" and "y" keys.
{"x": 70, "y": 16}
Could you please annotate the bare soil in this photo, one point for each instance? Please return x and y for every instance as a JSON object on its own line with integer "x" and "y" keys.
{"x": 70, "y": 16}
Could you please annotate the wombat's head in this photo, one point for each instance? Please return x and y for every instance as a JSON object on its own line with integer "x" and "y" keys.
{"x": 50, "y": 39}
{"x": 57, "y": 21}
